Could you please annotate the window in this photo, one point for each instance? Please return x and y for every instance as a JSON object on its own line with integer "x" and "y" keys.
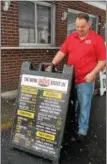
{"x": 72, "y": 14}
{"x": 36, "y": 23}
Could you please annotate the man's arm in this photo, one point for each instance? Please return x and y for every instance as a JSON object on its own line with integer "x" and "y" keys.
{"x": 99, "y": 67}
{"x": 58, "y": 58}
{"x": 92, "y": 75}
{"x": 100, "y": 49}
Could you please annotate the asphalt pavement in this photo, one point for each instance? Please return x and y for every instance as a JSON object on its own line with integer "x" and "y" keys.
{"x": 92, "y": 151}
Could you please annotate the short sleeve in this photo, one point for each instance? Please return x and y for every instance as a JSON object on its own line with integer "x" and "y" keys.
{"x": 64, "y": 47}
{"x": 100, "y": 49}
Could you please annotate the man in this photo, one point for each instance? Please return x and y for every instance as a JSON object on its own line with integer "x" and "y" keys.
{"x": 86, "y": 51}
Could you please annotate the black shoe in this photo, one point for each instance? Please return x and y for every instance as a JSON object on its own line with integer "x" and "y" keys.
{"x": 73, "y": 138}
{"x": 80, "y": 138}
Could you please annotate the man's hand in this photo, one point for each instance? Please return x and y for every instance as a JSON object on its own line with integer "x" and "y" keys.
{"x": 57, "y": 59}
{"x": 47, "y": 69}
{"x": 90, "y": 77}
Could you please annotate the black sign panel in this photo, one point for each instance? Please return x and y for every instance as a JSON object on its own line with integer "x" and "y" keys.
{"x": 40, "y": 115}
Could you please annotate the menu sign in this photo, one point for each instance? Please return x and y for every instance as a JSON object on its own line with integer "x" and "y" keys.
{"x": 40, "y": 113}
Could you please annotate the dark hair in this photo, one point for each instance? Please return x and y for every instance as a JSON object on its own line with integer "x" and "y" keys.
{"x": 83, "y": 16}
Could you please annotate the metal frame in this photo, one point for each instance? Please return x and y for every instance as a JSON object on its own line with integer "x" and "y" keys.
{"x": 102, "y": 76}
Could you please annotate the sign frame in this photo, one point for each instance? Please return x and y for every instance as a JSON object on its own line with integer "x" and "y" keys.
{"x": 27, "y": 69}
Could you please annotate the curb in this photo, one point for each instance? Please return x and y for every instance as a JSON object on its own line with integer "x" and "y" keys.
{"x": 9, "y": 95}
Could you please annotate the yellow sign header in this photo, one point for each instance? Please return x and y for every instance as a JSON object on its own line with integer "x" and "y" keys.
{"x": 25, "y": 114}
{"x": 45, "y": 135}
{"x": 52, "y": 95}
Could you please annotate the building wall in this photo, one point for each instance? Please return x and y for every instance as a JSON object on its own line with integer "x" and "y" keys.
{"x": 11, "y": 59}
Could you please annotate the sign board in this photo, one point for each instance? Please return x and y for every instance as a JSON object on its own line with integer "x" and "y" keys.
{"x": 41, "y": 113}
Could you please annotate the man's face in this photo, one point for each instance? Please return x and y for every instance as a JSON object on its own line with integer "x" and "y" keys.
{"x": 82, "y": 27}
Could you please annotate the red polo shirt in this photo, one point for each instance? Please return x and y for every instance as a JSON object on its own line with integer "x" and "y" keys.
{"x": 84, "y": 54}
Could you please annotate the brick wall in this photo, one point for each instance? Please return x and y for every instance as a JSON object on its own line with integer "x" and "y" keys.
{"x": 11, "y": 59}
{"x": 9, "y": 26}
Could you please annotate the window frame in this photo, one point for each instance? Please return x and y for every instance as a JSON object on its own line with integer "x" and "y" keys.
{"x": 77, "y": 12}
{"x": 53, "y": 11}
